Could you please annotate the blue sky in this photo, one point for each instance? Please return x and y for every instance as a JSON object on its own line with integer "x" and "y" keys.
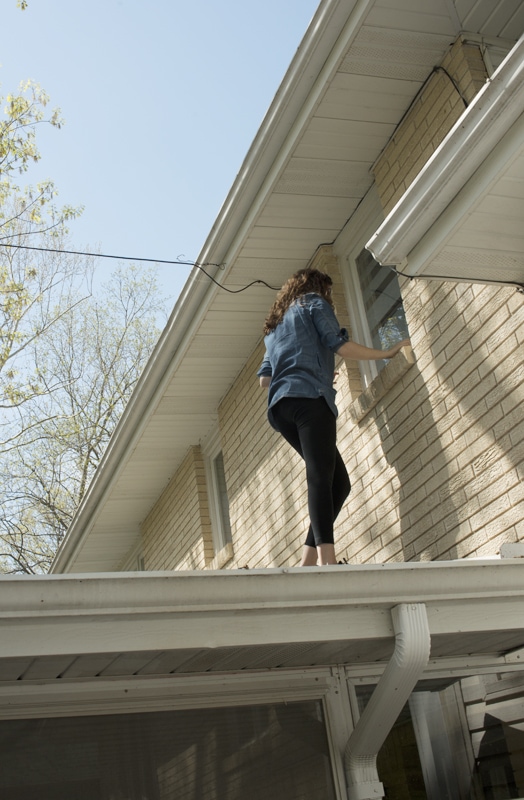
{"x": 161, "y": 100}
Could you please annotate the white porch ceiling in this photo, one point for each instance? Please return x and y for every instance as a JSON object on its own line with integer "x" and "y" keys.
{"x": 352, "y": 80}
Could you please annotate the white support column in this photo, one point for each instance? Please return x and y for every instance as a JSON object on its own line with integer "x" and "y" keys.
{"x": 410, "y": 657}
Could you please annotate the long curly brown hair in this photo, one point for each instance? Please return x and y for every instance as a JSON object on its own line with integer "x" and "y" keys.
{"x": 301, "y": 283}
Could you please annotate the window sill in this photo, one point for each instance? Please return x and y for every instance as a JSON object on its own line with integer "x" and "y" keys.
{"x": 222, "y": 557}
{"x": 385, "y": 380}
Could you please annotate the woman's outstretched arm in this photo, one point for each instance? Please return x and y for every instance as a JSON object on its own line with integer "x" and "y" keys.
{"x": 359, "y": 352}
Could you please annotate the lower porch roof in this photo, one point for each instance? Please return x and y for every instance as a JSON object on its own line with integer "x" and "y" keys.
{"x": 59, "y": 631}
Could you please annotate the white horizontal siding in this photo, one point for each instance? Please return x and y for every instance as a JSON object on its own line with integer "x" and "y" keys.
{"x": 491, "y": 19}
{"x": 412, "y": 15}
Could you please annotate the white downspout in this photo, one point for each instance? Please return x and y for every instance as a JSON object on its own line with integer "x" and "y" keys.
{"x": 411, "y": 655}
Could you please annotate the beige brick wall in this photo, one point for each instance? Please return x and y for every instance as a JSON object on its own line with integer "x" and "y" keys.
{"x": 447, "y": 466}
{"x": 431, "y": 116}
{"x": 177, "y": 532}
{"x": 436, "y": 466}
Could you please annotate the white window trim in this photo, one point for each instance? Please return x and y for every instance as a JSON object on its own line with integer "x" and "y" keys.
{"x": 134, "y": 560}
{"x": 176, "y": 692}
{"x": 211, "y": 447}
{"x": 348, "y": 245}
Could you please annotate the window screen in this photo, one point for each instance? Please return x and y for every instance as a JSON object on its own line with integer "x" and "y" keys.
{"x": 275, "y": 751}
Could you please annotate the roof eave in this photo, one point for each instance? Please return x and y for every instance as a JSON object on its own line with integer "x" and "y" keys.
{"x": 492, "y": 116}
{"x": 62, "y": 615}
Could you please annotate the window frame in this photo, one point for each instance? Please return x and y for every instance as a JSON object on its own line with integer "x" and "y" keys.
{"x": 347, "y": 247}
{"x": 457, "y": 752}
{"x": 221, "y": 534}
{"x": 226, "y": 690}
{"x": 134, "y": 561}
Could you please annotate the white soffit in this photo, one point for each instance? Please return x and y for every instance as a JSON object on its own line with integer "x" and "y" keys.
{"x": 461, "y": 219}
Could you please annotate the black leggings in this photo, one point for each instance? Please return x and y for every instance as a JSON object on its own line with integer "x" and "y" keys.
{"x": 310, "y": 427}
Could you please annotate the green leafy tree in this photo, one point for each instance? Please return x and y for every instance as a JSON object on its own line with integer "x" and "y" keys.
{"x": 88, "y": 364}
{"x": 24, "y": 112}
{"x": 35, "y": 290}
{"x": 69, "y": 357}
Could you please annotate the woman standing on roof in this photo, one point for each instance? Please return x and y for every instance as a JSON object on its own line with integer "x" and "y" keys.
{"x": 302, "y": 336}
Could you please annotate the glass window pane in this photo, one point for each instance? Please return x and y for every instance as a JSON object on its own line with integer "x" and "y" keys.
{"x": 382, "y": 301}
{"x": 277, "y": 751}
{"x": 222, "y": 498}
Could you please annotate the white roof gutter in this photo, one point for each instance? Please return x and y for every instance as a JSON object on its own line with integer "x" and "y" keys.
{"x": 492, "y": 117}
{"x": 334, "y": 25}
{"x": 409, "y": 659}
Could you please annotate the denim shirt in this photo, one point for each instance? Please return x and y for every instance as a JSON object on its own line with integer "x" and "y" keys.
{"x": 300, "y": 352}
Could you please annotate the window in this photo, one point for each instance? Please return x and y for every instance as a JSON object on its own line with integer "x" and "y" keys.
{"x": 372, "y": 291}
{"x": 380, "y": 291}
{"x": 134, "y": 561}
{"x": 217, "y": 492}
{"x": 279, "y": 750}
{"x": 456, "y": 739}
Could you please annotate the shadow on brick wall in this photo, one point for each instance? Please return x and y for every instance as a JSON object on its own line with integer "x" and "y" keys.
{"x": 475, "y": 336}
{"x": 428, "y": 511}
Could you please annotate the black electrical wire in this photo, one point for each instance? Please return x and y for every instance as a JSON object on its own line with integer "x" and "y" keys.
{"x": 515, "y": 284}
{"x": 179, "y": 261}
{"x": 454, "y": 82}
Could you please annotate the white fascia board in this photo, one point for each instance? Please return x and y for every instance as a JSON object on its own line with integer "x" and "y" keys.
{"x": 57, "y": 615}
{"x": 334, "y": 25}
{"x": 483, "y": 125}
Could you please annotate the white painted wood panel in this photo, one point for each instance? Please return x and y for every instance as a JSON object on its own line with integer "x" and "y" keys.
{"x": 491, "y": 241}
{"x": 513, "y": 27}
{"x": 325, "y": 178}
{"x": 502, "y": 206}
{"x": 12, "y": 668}
{"x": 343, "y": 139}
{"x": 262, "y": 236}
{"x": 89, "y": 666}
{"x": 381, "y": 89}
{"x": 128, "y": 664}
{"x": 166, "y": 662}
{"x": 499, "y": 18}
{"x": 477, "y": 264}
{"x": 408, "y": 17}
{"x": 50, "y": 668}
{"x": 361, "y": 104}
{"x": 403, "y": 54}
